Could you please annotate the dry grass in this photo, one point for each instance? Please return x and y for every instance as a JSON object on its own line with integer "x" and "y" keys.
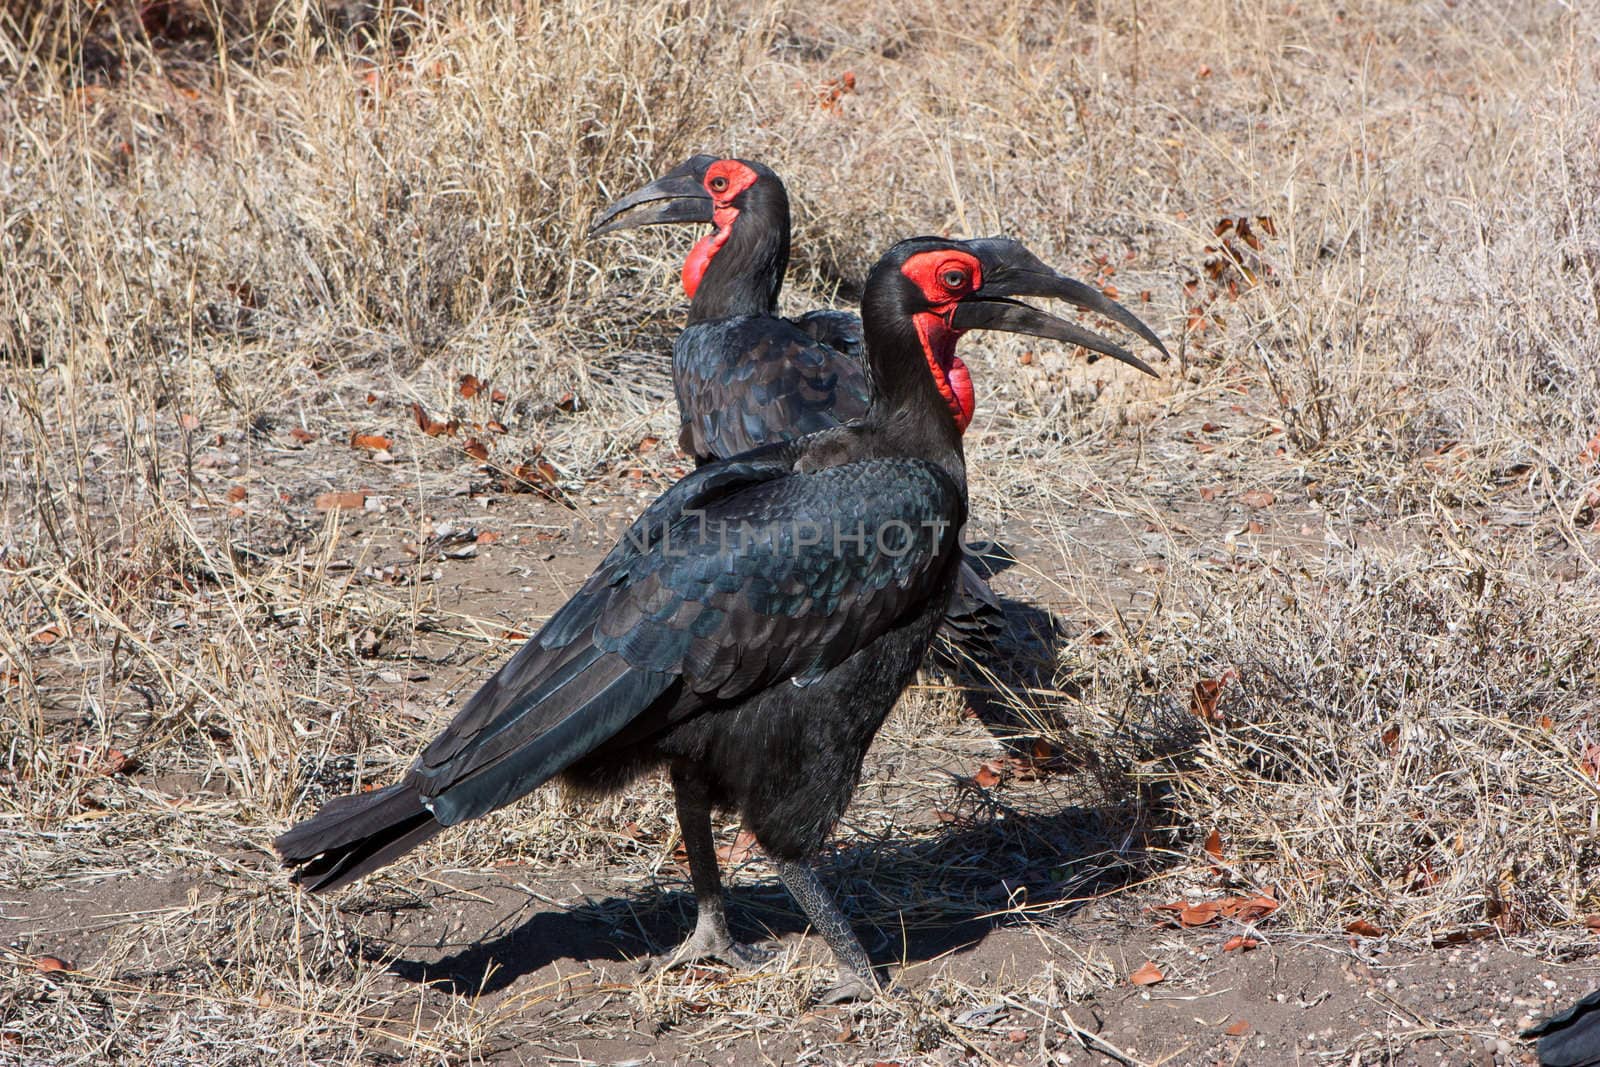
{"x": 308, "y": 217}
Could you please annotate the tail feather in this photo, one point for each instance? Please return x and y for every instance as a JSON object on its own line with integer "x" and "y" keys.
{"x": 1572, "y": 1038}
{"x": 355, "y": 835}
{"x": 973, "y": 622}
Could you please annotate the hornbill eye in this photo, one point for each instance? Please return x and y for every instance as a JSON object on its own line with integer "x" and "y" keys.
{"x": 954, "y": 279}
{"x": 718, "y": 184}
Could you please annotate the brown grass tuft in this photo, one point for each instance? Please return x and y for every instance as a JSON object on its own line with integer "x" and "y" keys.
{"x": 1361, "y": 515}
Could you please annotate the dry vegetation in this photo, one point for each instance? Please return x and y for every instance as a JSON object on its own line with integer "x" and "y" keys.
{"x": 1329, "y": 589}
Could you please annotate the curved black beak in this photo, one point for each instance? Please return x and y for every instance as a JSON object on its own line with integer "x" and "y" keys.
{"x": 677, "y": 196}
{"x": 1011, "y": 270}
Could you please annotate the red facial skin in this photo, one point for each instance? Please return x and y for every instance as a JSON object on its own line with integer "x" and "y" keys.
{"x": 945, "y": 276}
{"x": 725, "y": 180}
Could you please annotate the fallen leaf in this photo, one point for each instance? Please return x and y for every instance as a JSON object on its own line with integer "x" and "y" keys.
{"x": 51, "y": 964}
{"x": 495, "y": 425}
{"x": 1200, "y": 914}
{"x": 987, "y": 775}
{"x": 1391, "y": 738}
{"x": 568, "y": 402}
{"x": 470, "y": 386}
{"x": 1149, "y": 974}
{"x": 1363, "y": 928}
{"x": 236, "y": 494}
{"x": 1205, "y": 697}
{"x": 116, "y": 761}
{"x": 1257, "y": 498}
{"x": 1209, "y": 493}
{"x": 47, "y": 635}
{"x": 1462, "y": 937}
{"x": 488, "y": 537}
{"x": 1249, "y": 909}
{"x": 537, "y": 474}
{"x": 498, "y": 396}
{"x": 1017, "y": 1037}
{"x": 429, "y": 425}
{"x": 1111, "y": 291}
{"x": 1237, "y": 1029}
{"x": 335, "y": 501}
{"x": 371, "y": 442}
{"x": 1592, "y": 922}
{"x": 646, "y": 444}
{"x": 476, "y": 449}
{"x": 302, "y": 436}
{"x": 189, "y": 422}
{"x": 1214, "y": 844}
{"x": 742, "y": 848}
{"x": 1239, "y": 943}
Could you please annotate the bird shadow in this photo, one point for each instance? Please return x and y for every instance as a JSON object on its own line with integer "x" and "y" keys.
{"x": 1014, "y": 683}
{"x": 911, "y": 901}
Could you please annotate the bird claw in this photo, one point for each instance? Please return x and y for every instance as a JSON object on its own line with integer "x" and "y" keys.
{"x": 745, "y": 956}
{"x": 736, "y": 954}
{"x": 859, "y": 988}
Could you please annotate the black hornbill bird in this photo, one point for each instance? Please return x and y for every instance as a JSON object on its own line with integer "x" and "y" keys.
{"x": 743, "y": 375}
{"x": 754, "y": 626}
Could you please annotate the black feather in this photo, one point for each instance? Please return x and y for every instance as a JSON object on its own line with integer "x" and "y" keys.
{"x": 355, "y": 835}
{"x": 1571, "y": 1039}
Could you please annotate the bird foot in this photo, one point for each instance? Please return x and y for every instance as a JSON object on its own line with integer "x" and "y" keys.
{"x": 859, "y": 988}
{"x": 737, "y": 954}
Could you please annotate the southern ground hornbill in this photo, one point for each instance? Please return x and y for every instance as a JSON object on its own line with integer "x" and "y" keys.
{"x": 754, "y": 626}
{"x": 744, "y": 376}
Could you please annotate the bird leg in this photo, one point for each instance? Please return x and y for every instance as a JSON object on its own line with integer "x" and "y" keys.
{"x": 857, "y": 980}
{"x": 711, "y": 938}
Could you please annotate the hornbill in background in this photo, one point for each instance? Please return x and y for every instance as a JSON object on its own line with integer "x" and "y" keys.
{"x": 755, "y": 625}
{"x": 746, "y": 377}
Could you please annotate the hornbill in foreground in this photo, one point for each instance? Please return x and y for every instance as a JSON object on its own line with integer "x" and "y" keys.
{"x": 746, "y": 377}
{"x": 755, "y": 625}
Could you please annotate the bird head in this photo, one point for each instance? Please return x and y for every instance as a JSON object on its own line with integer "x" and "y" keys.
{"x": 936, "y": 289}
{"x": 719, "y": 191}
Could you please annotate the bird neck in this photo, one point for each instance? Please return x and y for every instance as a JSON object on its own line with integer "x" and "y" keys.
{"x": 737, "y": 268}
{"x": 913, "y": 407}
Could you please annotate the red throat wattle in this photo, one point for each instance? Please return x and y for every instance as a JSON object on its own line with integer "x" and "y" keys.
{"x": 945, "y": 277}
{"x": 949, "y": 373}
{"x": 694, "y": 268}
